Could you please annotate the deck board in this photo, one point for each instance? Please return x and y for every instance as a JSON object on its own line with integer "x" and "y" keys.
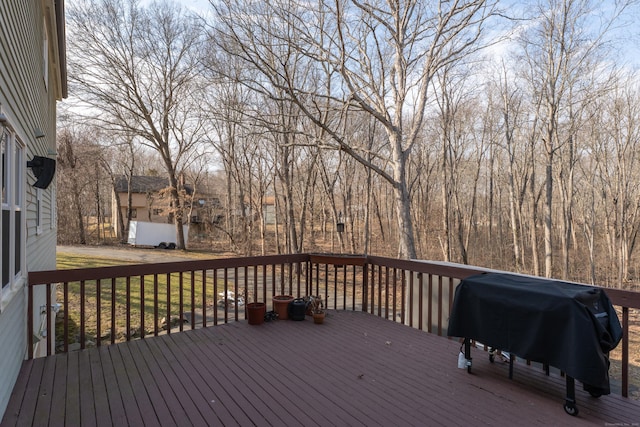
{"x": 45, "y": 392}
{"x": 98, "y": 390}
{"x": 356, "y": 369}
{"x": 111, "y": 390}
{"x": 160, "y": 408}
{"x": 28, "y": 406}
{"x": 87, "y": 401}
{"x": 58, "y": 399}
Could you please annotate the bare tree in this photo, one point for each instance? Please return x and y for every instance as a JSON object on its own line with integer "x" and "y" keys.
{"x": 136, "y": 68}
{"x": 380, "y": 58}
{"x": 558, "y": 50}
{"x": 78, "y": 164}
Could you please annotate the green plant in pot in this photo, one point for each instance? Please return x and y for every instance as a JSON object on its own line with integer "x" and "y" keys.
{"x": 315, "y": 306}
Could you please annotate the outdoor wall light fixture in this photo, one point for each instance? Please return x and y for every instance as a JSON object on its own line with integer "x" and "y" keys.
{"x": 340, "y": 224}
{"x": 43, "y": 168}
{"x": 38, "y": 133}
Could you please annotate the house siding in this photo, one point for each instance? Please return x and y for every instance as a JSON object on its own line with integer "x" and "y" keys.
{"x": 12, "y": 345}
{"x": 29, "y": 103}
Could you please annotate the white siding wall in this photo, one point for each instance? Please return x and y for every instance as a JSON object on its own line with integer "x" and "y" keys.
{"x": 13, "y": 341}
{"x": 29, "y": 103}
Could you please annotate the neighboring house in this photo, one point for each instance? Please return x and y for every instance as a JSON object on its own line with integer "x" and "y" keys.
{"x": 32, "y": 79}
{"x": 149, "y": 202}
{"x": 269, "y": 209}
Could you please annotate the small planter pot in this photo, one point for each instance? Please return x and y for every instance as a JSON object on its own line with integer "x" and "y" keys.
{"x": 318, "y": 318}
{"x": 256, "y": 312}
{"x": 281, "y": 305}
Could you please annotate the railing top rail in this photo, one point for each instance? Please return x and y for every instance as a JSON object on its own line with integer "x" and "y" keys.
{"x": 623, "y": 297}
{"x": 618, "y": 297}
{"x": 132, "y": 270}
{"x": 428, "y": 267}
{"x": 340, "y": 259}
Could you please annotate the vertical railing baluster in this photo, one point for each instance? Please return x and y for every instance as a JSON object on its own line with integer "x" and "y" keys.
{"x": 65, "y": 292}
{"x": 82, "y": 314}
{"x": 181, "y": 300}
{"x": 235, "y": 293}
{"x": 395, "y": 294}
{"x": 264, "y": 283}
{"x": 386, "y": 292}
{"x": 215, "y": 296}
{"x": 345, "y": 287}
{"x": 353, "y": 290}
{"x": 326, "y": 282}
{"x": 204, "y": 298}
{"x": 142, "y": 307}
{"x": 439, "y": 305}
{"x": 128, "y": 306}
{"x": 625, "y": 352}
{"x": 226, "y": 300}
{"x": 450, "y": 294}
{"x": 156, "y": 309}
{"x": 420, "y": 300}
{"x": 282, "y": 288}
{"x": 113, "y": 310}
{"x": 335, "y": 285}
{"x": 410, "y": 315}
{"x": 192, "y": 296}
{"x": 403, "y": 294}
{"x": 168, "y": 318}
{"x": 98, "y": 313}
{"x": 430, "y": 306}
{"x": 255, "y": 285}
{"x": 299, "y": 278}
{"x": 246, "y": 286}
{"x": 310, "y": 279}
{"x": 369, "y": 295}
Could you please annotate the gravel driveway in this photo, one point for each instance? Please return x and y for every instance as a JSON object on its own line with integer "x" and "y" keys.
{"x": 127, "y": 253}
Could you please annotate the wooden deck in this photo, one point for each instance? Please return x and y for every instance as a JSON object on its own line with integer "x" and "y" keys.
{"x": 356, "y": 369}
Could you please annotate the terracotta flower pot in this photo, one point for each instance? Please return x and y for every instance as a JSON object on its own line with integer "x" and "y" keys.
{"x": 281, "y": 305}
{"x": 318, "y": 318}
{"x": 256, "y": 312}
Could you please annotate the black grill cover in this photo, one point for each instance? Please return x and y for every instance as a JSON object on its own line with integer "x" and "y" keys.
{"x": 566, "y": 325}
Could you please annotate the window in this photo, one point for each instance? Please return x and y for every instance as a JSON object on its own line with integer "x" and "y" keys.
{"x": 13, "y": 170}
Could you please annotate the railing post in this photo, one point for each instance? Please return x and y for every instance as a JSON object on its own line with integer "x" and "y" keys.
{"x": 30, "y": 322}
{"x": 625, "y": 352}
{"x": 49, "y": 329}
{"x": 365, "y": 287}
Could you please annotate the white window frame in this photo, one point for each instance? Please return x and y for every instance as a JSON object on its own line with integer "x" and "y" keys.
{"x": 13, "y": 204}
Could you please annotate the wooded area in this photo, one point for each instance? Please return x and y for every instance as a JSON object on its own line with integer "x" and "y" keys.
{"x": 471, "y": 131}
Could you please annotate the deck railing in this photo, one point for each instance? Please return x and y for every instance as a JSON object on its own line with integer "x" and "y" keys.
{"x": 121, "y": 303}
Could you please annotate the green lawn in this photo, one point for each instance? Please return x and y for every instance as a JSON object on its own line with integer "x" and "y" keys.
{"x": 154, "y": 297}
